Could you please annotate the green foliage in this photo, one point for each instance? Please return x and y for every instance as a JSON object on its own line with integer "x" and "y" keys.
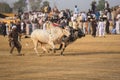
{"x": 35, "y": 4}
{"x": 45, "y": 3}
{"x": 19, "y": 5}
{"x": 101, "y": 5}
{"x": 93, "y": 2}
{"x": 5, "y": 8}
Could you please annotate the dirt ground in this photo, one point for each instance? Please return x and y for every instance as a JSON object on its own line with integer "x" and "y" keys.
{"x": 87, "y": 58}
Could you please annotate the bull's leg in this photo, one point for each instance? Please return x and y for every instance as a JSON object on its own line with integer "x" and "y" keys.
{"x": 44, "y": 48}
{"x": 53, "y": 46}
{"x": 64, "y": 46}
{"x": 35, "y": 46}
{"x": 60, "y": 47}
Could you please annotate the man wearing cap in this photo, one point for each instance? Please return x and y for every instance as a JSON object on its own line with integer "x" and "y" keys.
{"x": 13, "y": 40}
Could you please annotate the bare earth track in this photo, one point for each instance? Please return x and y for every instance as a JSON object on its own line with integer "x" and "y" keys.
{"x": 87, "y": 58}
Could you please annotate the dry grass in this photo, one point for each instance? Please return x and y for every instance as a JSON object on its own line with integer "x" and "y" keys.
{"x": 86, "y": 59}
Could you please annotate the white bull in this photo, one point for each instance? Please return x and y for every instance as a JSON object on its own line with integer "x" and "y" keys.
{"x": 51, "y": 37}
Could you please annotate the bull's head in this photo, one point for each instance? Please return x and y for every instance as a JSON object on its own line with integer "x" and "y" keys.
{"x": 80, "y": 33}
{"x": 66, "y": 31}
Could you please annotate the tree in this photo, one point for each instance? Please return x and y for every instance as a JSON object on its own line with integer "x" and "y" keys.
{"x": 93, "y": 6}
{"x": 5, "y": 8}
{"x": 101, "y": 5}
{"x": 45, "y": 4}
{"x": 19, "y": 5}
{"x": 35, "y": 4}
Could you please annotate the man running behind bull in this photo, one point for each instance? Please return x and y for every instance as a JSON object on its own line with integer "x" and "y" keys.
{"x": 13, "y": 40}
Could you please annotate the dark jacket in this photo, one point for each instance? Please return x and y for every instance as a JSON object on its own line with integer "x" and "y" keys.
{"x": 14, "y": 35}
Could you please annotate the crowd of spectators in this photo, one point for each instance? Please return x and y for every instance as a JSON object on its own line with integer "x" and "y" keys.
{"x": 93, "y": 22}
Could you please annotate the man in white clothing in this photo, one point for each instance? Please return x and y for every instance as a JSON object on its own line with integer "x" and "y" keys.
{"x": 117, "y": 26}
{"x": 101, "y": 28}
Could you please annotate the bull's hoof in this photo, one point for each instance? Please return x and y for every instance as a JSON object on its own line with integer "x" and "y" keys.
{"x": 39, "y": 55}
{"x": 54, "y": 51}
{"x": 23, "y": 54}
{"x": 50, "y": 49}
{"x": 61, "y": 54}
{"x": 43, "y": 52}
{"x": 20, "y": 55}
{"x": 10, "y": 54}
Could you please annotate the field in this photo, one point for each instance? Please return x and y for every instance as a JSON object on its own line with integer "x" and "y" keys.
{"x": 87, "y": 58}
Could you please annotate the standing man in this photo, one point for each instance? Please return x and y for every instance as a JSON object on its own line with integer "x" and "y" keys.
{"x": 101, "y": 28}
{"x": 117, "y": 27}
{"x": 13, "y": 40}
{"x": 4, "y": 29}
{"x": 106, "y": 5}
{"x": 107, "y": 26}
{"x": 76, "y": 10}
{"x": 94, "y": 25}
{"x": 93, "y": 6}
